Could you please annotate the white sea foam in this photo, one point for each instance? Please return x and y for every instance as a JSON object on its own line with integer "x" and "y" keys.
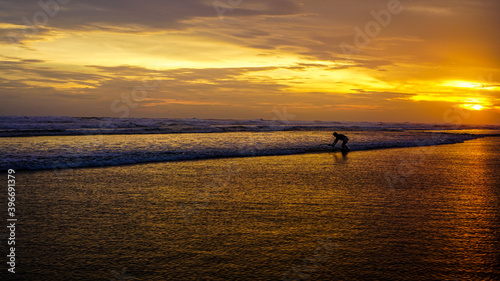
{"x": 61, "y": 152}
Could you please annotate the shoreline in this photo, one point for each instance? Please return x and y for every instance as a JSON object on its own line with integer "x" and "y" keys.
{"x": 307, "y": 151}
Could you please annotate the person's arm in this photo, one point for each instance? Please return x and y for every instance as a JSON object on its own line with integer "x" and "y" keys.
{"x": 335, "y": 141}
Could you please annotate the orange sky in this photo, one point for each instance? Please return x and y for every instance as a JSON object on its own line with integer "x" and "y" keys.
{"x": 417, "y": 61}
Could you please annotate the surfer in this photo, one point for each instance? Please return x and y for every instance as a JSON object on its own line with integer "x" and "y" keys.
{"x": 344, "y": 140}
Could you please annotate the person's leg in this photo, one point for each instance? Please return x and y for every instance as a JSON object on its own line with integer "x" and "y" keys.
{"x": 344, "y": 143}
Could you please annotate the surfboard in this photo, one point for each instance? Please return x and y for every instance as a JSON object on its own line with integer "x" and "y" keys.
{"x": 320, "y": 148}
{"x": 327, "y": 147}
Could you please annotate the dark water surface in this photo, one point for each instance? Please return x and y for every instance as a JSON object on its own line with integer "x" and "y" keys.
{"x": 424, "y": 213}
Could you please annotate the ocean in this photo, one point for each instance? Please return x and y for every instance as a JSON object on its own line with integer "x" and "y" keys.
{"x": 189, "y": 199}
{"x": 40, "y": 143}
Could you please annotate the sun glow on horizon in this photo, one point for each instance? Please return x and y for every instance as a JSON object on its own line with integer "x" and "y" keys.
{"x": 472, "y": 106}
{"x": 461, "y": 84}
{"x": 469, "y": 84}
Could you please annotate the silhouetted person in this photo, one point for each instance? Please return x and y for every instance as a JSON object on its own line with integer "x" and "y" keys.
{"x": 344, "y": 140}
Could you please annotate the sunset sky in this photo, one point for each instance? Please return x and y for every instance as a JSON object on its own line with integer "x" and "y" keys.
{"x": 340, "y": 60}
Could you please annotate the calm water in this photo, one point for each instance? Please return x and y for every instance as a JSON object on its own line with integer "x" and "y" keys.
{"x": 425, "y": 213}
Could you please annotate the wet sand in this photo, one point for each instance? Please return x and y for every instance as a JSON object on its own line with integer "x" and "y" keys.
{"x": 425, "y": 213}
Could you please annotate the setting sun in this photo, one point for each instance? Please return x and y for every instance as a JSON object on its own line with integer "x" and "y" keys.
{"x": 472, "y": 106}
{"x": 462, "y": 84}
